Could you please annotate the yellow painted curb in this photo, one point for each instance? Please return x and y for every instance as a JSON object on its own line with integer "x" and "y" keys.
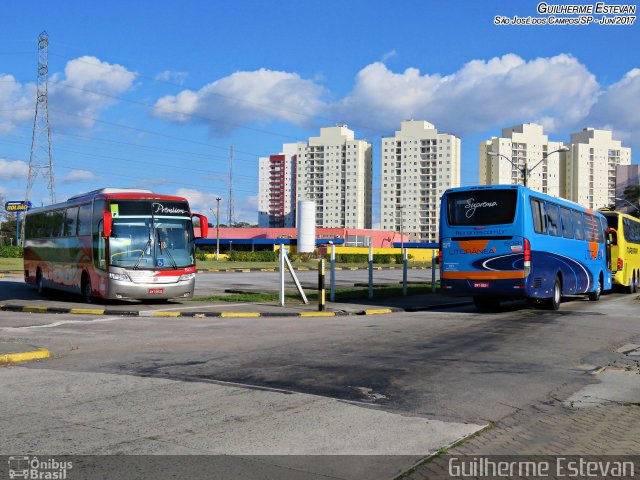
{"x": 1, "y": 275}
{"x": 34, "y": 309}
{"x": 87, "y": 311}
{"x": 246, "y": 270}
{"x": 8, "y": 358}
{"x": 317, "y": 314}
{"x": 166, "y": 314}
{"x": 267, "y": 269}
{"x": 239, "y": 314}
{"x": 377, "y": 311}
{"x": 303, "y": 269}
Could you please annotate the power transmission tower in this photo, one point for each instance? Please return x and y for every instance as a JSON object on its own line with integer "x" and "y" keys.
{"x": 40, "y": 161}
{"x": 230, "y": 219}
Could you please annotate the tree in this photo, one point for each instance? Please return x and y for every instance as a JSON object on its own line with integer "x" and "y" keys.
{"x": 632, "y": 195}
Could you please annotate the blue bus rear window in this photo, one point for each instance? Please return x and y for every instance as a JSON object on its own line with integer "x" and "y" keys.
{"x": 481, "y": 207}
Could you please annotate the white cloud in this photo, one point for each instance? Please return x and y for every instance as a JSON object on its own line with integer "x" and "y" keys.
{"x": 172, "y": 77}
{"x": 13, "y": 170}
{"x": 200, "y": 202}
{"x": 87, "y": 87}
{"x": 481, "y": 95}
{"x": 17, "y": 103}
{"x": 75, "y": 176}
{"x": 617, "y": 108}
{"x": 386, "y": 56}
{"x": 245, "y": 97}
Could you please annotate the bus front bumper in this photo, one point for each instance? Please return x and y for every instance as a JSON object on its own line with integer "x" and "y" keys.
{"x": 122, "y": 290}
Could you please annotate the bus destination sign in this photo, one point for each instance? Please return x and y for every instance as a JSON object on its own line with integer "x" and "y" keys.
{"x": 17, "y": 206}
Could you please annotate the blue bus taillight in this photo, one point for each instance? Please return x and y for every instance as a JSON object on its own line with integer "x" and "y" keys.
{"x": 527, "y": 258}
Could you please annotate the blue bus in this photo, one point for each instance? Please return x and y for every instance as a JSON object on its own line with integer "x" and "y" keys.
{"x": 507, "y": 241}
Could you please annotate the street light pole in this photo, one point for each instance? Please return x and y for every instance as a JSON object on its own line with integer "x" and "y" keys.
{"x": 525, "y": 172}
{"x": 218, "y": 228}
{"x": 401, "y": 208}
{"x": 633, "y": 205}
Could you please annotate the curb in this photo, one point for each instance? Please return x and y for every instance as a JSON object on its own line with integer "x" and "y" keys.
{"x": 11, "y": 358}
{"x": 226, "y": 314}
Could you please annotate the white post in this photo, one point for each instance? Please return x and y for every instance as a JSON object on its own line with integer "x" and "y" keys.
{"x": 433, "y": 271}
{"x": 332, "y": 280}
{"x": 405, "y": 267}
{"x": 282, "y": 275}
{"x": 370, "y": 269}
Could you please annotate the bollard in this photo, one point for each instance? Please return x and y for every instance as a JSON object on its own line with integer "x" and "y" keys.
{"x": 433, "y": 271}
{"x": 370, "y": 270}
{"x": 332, "y": 278}
{"x": 405, "y": 267}
{"x": 282, "y": 253}
{"x": 321, "y": 292}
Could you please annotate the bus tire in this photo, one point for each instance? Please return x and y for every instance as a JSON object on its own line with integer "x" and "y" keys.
{"x": 87, "y": 291}
{"x": 633, "y": 284}
{"x": 553, "y": 303}
{"x": 595, "y": 295}
{"x": 486, "y": 304}
{"x": 39, "y": 283}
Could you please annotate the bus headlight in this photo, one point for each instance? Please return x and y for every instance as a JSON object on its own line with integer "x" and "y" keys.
{"x": 186, "y": 276}
{"x": 123, "y": 277}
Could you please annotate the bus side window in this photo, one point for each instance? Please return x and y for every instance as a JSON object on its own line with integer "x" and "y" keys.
{"x": 71, "y": 222}
{"x": 84, "y": 219}
{"x": 567, "y": 223}
{"x": 539, "y": 216}
{"x": 578, "y": 225}
{"x": 553, "y": 215}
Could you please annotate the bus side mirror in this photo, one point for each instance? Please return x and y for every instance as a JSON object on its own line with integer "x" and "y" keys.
{"x": 204, "y": 225}
{"x": 107, "y": 224}
{"x": 613, "y": 236}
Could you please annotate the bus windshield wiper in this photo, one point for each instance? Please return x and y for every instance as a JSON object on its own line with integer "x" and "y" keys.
{"x": 147, "y": 245}
{"x": 166, "y": 250}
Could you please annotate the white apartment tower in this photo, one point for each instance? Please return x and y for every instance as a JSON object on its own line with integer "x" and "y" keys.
{"x": 277, "y": 188}
{"x": 334, "y": 170}
{"x": 591, "y": 167}
{"x": 525, "y": 146}
{"x": 418, "y": 165}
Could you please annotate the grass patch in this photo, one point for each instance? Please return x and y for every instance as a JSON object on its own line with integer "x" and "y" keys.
{"x": 313, "y": 264}
{"x": 342, "y": 294}
{"x": 11, "y": 264}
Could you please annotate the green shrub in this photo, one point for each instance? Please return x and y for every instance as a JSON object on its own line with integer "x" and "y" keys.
{"x": 10, "y": 252}
{"x": 261, "y": 256}
{"x": 201, "y": 255}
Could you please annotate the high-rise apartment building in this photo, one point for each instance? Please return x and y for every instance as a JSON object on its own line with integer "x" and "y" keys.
{"x": 334, "y": 170}
{"x": 418, "y": 165}
{"x": 591, "y": 167}
{"x": 277, "y": 188}
{"x": 525, "y": 146}
{"x": 585, "y": 173}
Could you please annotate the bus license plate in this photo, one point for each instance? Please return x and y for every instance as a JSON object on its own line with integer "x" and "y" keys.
{"x": 481, "y": 284}
{"x": 156, "y": 291}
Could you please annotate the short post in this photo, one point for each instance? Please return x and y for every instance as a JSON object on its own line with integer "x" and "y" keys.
{"x": 17, "y": 229}
{"x": 321, "y": 291}
{"x": 370, "y": 269}
{"x": 332, "y": 278}
{"x": 433, "y": 271}
{"x": 282, "y": 254}
{"x": 405, "y": 267}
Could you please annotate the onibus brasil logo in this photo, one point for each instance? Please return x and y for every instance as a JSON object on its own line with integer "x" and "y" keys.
{"x": 32, "y": 468}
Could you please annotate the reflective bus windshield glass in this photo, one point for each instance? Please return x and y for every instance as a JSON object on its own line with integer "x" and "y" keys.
{"x": 481, "y": 207}
{"x": 151, "y": 235}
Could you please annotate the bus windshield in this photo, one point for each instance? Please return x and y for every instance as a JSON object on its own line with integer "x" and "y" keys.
{"x": 139, "y": 242}
{"x": 481, "y": 207}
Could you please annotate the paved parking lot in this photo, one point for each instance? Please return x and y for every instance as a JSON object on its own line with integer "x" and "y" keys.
{"x": 405, "y": 384}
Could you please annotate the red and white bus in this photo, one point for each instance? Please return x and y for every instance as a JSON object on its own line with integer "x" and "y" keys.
{"x": 113, "y": 244}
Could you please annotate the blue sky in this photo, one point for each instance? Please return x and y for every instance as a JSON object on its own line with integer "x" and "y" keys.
{"x": 152, "y": 95}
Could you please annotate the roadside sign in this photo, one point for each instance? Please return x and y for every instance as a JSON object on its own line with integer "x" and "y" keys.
{"x": 17, "y": 206}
